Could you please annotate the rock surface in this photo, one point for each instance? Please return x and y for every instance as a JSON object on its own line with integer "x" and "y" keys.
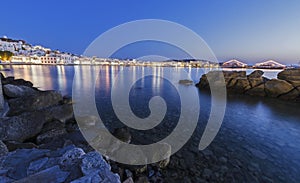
{"x": 237, "y": 82}
{"x": 3, "y": 149}
{"x": 37, "y": 136}
{"x": 33, "y": 102}
{"x": 14, "y": 91}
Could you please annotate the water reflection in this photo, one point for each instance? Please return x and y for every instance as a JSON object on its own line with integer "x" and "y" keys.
{"x": 270, "y": 125}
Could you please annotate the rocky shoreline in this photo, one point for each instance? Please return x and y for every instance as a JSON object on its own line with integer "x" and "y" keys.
{"x": 285, "y": 87}
{"x": 40, "y": 141}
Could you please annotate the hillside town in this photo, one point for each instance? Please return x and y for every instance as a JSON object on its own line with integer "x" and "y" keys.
{"x": 20, "y": 52}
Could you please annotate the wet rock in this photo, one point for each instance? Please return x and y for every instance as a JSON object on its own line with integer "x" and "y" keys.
{"x": 292, "y": 75}
{"x": 13, "y": 145}
{"x": 294, "y": 94}
{"x": 61, "y": 113}
{"x": 14, "y": 91}
{"x": 234, "y": 74}
{"x": 53, "y": 174}
{"x": 33, "y": 102}
{"x": 18, "y": 161}
{"x": 256, "y": 74}
{"x": 240, "y": 86}
{"x": 276, "y": 87}
{"x": 20, "y": 128}
{"x": 71, "y": 158}
{"x": 50, "y": 131}
{"x": 36, "y": 166}
{"x": 3, "y": 149}
{"x": 93, "y": 162}
{"x": 18, "y": 82}
{"x": 257, "y": 91}
{"x": 255, "y": 81}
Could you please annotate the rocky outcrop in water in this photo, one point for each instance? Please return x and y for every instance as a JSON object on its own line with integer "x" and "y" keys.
{"x": 286, "y": 86}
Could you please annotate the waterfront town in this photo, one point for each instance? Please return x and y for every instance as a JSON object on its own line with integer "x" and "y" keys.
{"x": 19, "y": 52}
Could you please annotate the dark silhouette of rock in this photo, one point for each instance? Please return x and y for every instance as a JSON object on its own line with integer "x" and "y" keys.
{"x": 15, "y": 91}
{"x": 22, "y": 127}
{"x": 286, "y": 87}
{"x": 290, "y": 75}
{"x": 276, "y": 87}
{"x": 53, "y": 174}
{"x": 33, "y": 102}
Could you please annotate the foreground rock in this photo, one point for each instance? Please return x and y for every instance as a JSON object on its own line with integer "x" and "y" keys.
{"x": 286, "y": 87}
{"x": 33, "y": 102}
{"x": 22, "y": 127}
{"x": 37, "y": 136}
{"x": 14, "y": 91}
{"x": 41, "y": 165}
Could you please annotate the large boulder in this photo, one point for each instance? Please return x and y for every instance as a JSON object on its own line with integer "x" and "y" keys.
{"x": 33, "y": 102}
{"x": 53, "y": 174}
{"x": 13, "y": 81}
{"x": 239, "y": 85}
{"x": 256, "y": 74}
{"x": 234, "y": 74}
{"x": 292, "y": 95}
{"x": 13, "y": 145}
{"x": 14, "y": 91}
{"x": 71, "y": 158}
{"x": 290, "y": 75}
{"x": 61, "y": 113}
{"x": 256, "y": 78}
{"x": 17, "y": 162}
{"x": 277, "y": 87}
{"x": 20, "y": 128}
{"x": 257, "y": 91}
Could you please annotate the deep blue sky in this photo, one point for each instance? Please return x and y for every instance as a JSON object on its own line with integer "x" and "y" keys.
{"x": 248, "y": 30}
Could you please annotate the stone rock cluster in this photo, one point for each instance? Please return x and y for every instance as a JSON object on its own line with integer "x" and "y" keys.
{"x": 40, "y": 141}
{"x": 286, "y": 86}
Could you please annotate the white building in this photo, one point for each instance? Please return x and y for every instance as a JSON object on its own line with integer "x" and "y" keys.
{"x": 234, "y": 64}
{"x": 13, "y": 46}
{"x": 269, "y": 64}
{"x": 49, "y": 59}
{"x": 65, "y": 58}
{"x": 20, "y": 59}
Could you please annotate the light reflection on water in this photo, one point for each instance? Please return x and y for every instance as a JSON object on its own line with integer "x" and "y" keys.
{"x": 270, "y": 125}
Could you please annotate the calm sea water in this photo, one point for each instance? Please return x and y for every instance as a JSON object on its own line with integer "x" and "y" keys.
{"x": 264, "y": 131}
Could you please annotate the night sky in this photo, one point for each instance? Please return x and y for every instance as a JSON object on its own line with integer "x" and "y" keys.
{"x": 250, "y": 31}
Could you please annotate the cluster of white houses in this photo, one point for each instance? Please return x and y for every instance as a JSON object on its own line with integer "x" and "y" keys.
{"x": 66, "y": 59}
{"x": 27, "y": 54}
{"x": 269, "y": 64}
